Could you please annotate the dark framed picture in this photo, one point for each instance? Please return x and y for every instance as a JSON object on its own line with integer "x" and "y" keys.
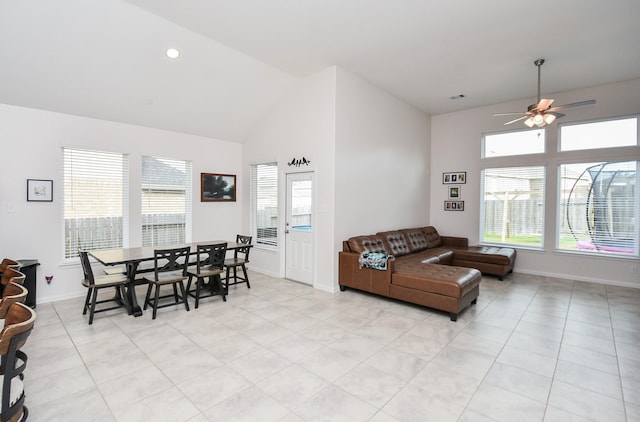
{"x": 454, "y": 177}
{"x": 39, "y": 190}
{"x": 216, "y": 187}
{"x": 454, "y": 205}
{"x": 454, "y": 192}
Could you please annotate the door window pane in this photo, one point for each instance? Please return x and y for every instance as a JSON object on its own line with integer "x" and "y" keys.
{"x": 301, "y": 205}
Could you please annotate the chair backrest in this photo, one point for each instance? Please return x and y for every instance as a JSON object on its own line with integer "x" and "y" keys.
{"x": 12, "y": 293}
{"x": 245, "y": 240}
{"x": 86, "y": 267}
{"x": 19, "y": 319}
{"x": 211, "y": 255}
{"x": 168, "y": 260}
{"x": 8, "y": 263}
{"x": 11, "y": 275}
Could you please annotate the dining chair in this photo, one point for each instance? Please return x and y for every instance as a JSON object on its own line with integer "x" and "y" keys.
{"x": 19, "y": 322}
{"x": 209, "y": 264}
{"x": 240, "y": 259}
{"x": 11, "y": 275}
{"x": 170, "y": 268}
{"x": 96, "y": 283}
{"x": 8, "y": 263}
{"x": 12, "y": 293}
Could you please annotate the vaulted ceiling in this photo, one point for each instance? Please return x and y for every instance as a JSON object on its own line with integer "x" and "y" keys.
{"x": 105, "y": 58}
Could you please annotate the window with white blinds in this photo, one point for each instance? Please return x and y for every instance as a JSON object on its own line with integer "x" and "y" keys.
{"x": 264, "y": 204}
{"x": 598, "y": 208}
{"x": 512, "y": 207}
{"x": 95, "y": 200}
{"x": 166, "y": 201}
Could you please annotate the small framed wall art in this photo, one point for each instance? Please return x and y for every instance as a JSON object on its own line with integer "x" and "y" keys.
{"x": 454, "y": 178}
{"x": 217, "y": 187}
{"x": 454, "y": 205}
{"x": 454, "y": 192}
{"x": 39, "y": 190}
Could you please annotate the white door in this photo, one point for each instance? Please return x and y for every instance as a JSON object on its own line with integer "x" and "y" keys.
{"x": 299, "y": 228}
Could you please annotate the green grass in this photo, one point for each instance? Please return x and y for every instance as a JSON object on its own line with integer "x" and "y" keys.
{"x": 524, "y": 240}
{"x": 568, "y": 243}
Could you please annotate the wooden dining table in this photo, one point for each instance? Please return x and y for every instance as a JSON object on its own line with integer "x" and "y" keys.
{"x": 131, "y": 258}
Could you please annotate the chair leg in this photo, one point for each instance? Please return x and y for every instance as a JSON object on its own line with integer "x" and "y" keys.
{"x": 146, "y": 298}
{"x": 218, "y": 283}
{"x": 86, "y": 302}
{"x": 199, "y": 282}
{"x": 184, "y": 296}
{"x": 156, "y": 301}
{"x": 246, "y": 277}
{"x": 94, "y": 299}
{"x": 226, "y": 286}
{"x": 175, "y": 292}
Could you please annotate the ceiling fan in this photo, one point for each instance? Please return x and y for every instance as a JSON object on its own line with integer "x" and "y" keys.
{"x": 542, "y": 113}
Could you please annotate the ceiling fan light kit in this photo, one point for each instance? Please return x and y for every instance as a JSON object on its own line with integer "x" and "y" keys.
{"x": 541, "y": 113}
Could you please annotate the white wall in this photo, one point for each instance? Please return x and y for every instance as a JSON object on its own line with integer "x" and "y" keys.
{"x": 369, "y": 152}
{"x": 382, "y": 161}
{"x": 455, "y": 146}
{"x": 302, "y": 126}
{"x": 31, "y": 144}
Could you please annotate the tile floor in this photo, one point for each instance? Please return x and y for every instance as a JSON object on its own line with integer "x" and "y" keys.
{"x": 532, "y": 349}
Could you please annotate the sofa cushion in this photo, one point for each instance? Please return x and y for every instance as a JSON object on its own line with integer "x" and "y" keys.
{"x": 434, "y": 278}
{"x": 416, "y": 239}
{"x": 435, "y": 256}
{"x": 432, "y": 236}
{"x": 487, "y": 254}
{"x": 395, "y": 242}
{"x": 370, "y": 243}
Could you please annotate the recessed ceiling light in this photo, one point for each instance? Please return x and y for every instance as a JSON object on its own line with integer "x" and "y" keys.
{"x": 173, "y": 53}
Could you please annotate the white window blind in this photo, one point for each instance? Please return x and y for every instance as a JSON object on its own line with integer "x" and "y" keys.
{"x": 95, "y": 200}
{"x": 598, "y": 205}
{"x": 264, "y": 204}
{"x": 166, "y": 201}
{"x": 512, "y": 208}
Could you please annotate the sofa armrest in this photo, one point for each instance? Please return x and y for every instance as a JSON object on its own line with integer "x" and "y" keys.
{"x": 455, "y": 242}
{"x": 351, "y": 275}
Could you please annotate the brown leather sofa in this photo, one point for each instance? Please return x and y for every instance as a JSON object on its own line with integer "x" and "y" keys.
{"x": 440, "y": 272}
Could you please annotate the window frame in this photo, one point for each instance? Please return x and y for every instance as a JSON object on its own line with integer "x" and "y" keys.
{"x": 552, "y": 159}
{"x": 614, "y": 154}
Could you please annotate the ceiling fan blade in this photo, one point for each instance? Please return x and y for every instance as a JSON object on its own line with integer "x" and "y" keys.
{"x": 516, "y": 120}
{"x": 558, "y": 115}
{"x": 578, "y": 104}
{"x": 543, "y": 104}
{"x": 508, "y": 114}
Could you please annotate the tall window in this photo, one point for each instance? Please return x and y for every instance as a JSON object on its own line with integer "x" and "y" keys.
{"x": 264, "y": 204}
{"x": 598, "y": 205}
{"x": 512, "y": 209}
{"x": 95, "y": 200}
{"x": 166, "y": 201}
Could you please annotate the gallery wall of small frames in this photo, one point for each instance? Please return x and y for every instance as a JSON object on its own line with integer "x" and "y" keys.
{"x": 454, "y": 200}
